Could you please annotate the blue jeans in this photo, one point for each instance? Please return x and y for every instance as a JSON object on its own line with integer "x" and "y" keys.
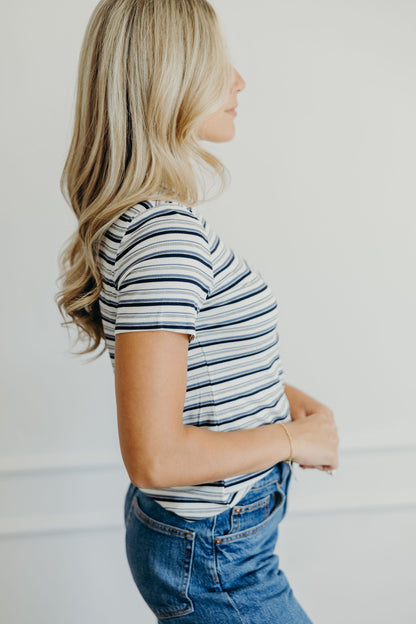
{"x": 217, "y": 570}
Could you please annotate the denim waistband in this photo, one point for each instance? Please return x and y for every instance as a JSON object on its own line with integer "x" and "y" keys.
{"x": 273, "y": 480}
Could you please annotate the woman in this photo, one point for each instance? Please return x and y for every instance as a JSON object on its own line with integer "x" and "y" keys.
{"x": 207, "y": 426}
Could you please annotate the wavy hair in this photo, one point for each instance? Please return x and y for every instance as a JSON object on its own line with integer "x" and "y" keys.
{"x": 149, "y": 72}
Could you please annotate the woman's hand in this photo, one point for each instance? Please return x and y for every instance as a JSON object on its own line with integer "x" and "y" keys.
{"x": 314, "y": 440}
{"x": 301, "y": 406}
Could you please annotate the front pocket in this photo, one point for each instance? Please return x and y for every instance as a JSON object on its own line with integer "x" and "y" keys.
{"x": 250, "y": 518}
{"x": 160, "y": 559}
{"x": 245, "y": 516}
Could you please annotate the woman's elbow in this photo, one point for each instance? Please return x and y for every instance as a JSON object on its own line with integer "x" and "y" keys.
{"x": 154, "y": 466}
{"x": 152, "y": 474}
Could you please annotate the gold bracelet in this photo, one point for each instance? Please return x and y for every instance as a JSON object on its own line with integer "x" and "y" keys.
{"x": 288, "y": 461}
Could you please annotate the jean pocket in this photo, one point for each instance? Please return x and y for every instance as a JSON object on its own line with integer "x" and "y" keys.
{"x": 248, "y": 515}
{"x": 160, "y": 559}
{"x": 248, "y": 518}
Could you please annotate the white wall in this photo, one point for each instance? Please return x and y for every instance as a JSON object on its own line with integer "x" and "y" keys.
{"x": 323, "y": 203}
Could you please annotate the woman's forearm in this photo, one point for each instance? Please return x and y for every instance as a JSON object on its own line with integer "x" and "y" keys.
{"x": 294, "y": 395}
{"x": 203, "y": 455}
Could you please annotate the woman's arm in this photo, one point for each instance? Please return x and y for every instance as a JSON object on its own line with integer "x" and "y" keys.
{"x": 158, "y": 450}
{"x": 302, "y": 404}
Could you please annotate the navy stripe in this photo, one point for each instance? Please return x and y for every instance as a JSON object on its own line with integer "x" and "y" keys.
{"x": 140, "y": 240}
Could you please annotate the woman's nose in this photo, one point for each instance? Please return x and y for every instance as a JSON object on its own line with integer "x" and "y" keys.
{"x": 239, "y": 82}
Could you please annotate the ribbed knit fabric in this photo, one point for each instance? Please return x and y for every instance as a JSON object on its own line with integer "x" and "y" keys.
{"x": 164, "y": 267}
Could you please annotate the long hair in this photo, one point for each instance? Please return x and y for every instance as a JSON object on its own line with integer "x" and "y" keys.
{"x": 149, "y": 72}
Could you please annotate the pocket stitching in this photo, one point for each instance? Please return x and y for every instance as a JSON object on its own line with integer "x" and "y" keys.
{"x": 187, "y": 558}
{"x": 163, "y": 613}
{"x": 160, "y": 526}
{"x": 262, "y": 502}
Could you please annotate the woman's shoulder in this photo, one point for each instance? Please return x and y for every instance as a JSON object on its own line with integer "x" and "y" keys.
{"x": 156, "y": 222}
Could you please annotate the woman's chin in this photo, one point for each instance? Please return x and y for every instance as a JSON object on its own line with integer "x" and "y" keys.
{"x": 225, "y": 136}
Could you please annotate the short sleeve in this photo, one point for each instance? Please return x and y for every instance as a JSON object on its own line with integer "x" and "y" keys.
{"x": 163, "y": 273}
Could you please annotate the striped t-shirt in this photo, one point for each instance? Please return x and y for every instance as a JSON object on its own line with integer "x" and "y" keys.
{"x": 164, "y": 267}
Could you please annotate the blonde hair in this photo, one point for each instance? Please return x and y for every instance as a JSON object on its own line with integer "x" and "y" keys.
{"x": 149, "y": 72}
